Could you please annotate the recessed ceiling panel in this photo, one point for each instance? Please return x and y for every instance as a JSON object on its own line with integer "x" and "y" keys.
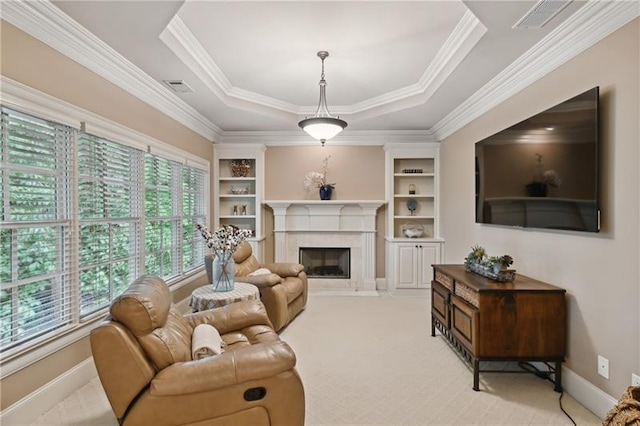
{"x": 270, "y": 48}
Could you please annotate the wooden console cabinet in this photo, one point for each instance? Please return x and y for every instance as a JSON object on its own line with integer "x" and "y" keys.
{"x": 485, "y": 320}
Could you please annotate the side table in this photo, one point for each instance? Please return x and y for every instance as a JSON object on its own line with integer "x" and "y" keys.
{"x": 204, "y": 297}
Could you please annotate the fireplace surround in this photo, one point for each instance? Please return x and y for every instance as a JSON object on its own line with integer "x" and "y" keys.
{"x": 330, "y": 224}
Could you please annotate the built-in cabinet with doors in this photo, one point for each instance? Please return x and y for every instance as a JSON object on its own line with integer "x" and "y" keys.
{"x": 413, "y": 241}
{"x": 238, "y": 189}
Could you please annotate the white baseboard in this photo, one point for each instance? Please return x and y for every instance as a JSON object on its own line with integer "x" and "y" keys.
{"x": 29, "y": 408}
{"x": 593, "y": 398}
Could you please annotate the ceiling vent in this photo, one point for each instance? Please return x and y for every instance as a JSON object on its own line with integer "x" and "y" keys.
{"x": 541, "y": 13}
{"x": 178, "y": 86}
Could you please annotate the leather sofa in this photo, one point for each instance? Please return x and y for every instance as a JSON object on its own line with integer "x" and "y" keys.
{"x": 143, "y": 355}
{"x": 283, "y": 290}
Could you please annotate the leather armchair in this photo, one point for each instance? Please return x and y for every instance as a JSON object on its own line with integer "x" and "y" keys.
{"x": 142, "y": 352}
{"x": 283, "y": 291}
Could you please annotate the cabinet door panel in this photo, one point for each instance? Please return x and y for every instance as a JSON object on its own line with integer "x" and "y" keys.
{"x": 429, "y": 254}
{"x": 440, "y": 304}
{"x": 407, "y": 269}
{"x": 464, "y": 323}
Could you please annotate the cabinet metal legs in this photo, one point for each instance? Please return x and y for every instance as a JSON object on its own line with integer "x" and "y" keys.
{"x": 558, "y": 376}
{"x": 476, "y": 374}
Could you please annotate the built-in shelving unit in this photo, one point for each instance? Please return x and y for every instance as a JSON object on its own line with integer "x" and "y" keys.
{"x": 238, "y": 196}
{"x": 412, "y": 191}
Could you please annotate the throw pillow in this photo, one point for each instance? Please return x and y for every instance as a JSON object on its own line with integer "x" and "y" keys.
{"x": 206, "y": 341}
{"x": 260, "y": 271}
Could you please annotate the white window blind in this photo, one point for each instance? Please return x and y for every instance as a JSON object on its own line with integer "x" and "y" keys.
{"x": 109, "y": 202}
{"x": 193, "y": 213}
{"x": 36, "y": 254}
{"x": 162, "y": 216}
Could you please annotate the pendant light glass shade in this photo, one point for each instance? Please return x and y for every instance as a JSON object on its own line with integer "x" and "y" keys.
{"x": 322, "y": 126}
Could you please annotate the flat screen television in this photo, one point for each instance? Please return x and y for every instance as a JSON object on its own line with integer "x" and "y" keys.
{"x": 543, "y": 171}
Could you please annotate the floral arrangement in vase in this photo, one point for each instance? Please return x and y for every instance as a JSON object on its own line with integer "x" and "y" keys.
{"x": 319, "y": 180}
{"x": 223, "y": 242}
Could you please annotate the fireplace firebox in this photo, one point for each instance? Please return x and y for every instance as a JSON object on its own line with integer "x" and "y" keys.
{"x": 326, "y": 262}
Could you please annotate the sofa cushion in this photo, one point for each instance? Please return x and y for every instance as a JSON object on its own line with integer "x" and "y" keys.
{"x": 260, "y": 271}
{"x": 170, "y": 343}
{"x": 292, "y": 287}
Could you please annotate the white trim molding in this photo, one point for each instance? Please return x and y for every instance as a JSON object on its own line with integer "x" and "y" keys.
{"x": 32, "y": 101}
{"x": 593, "y": 398}
{"x": 186, "y": 46}
{"x": 29, "y": 408}
{"x": 49, "y": 24}
{"x": 590, "y": 24}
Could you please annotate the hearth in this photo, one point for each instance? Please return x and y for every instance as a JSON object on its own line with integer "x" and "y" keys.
{"x": 326, "y": 262}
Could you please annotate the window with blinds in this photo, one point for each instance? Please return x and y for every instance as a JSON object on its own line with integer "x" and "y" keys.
{"x": 36, "y": 291}
{"x": 193, "y": 213}
{"x": 109, "y": 211}
{"x": 82, "y": 217}
{"x": 162, "y": 230}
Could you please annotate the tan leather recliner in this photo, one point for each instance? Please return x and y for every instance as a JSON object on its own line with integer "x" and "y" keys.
{"x": 142, "y": 352}
{"x": 283, "y": 292}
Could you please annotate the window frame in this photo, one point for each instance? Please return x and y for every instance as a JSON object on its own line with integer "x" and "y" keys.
{"x": 32, "y": 102}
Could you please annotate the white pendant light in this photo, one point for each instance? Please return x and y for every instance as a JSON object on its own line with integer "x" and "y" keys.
{"x": 322, "y": 126}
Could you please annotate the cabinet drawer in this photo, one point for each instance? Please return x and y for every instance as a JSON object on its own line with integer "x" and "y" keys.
{"x": 464, "y": 323}
{"x": 445, "y": 280}
{"x": 466, "y": 294}
{"x": 440, "y": 304}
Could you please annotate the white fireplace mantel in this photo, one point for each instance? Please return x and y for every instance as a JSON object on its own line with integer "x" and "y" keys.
{"x": 330, "y": 223}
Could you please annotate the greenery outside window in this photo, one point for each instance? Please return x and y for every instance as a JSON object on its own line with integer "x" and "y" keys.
{"x": 82, "y": 217}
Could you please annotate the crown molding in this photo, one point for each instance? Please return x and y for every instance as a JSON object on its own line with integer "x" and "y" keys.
{"x": 181, "y": 41}
{"x": 47, "y": 23}
{"x": 590, "y": 24}
{"x": 186, "y": 46}
{"x": 462, "y": 39}
{"x": 355, "y": 137}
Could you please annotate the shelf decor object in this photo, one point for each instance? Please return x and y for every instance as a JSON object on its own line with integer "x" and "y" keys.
{"x": 240, "y": 168}
{"x": 413, "y": 230}
{"x": 322, "y": 126}
{"x": 412, "y": 205}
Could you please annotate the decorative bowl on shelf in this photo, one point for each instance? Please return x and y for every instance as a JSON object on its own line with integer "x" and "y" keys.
{"x": 413, "y": 230}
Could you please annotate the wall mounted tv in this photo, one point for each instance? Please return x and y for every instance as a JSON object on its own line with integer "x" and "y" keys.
{"x": 543, "y": 171}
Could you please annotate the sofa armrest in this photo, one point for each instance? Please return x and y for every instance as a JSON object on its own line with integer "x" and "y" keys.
{"x": 260, "y": 281}
{"x": 284, "y": 269}
{"x": 232, "y": 317}
{"x": 259, "y": 361}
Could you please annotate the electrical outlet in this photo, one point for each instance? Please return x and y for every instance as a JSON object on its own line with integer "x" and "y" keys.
{"x": 635, "y": 380}
{"x": 603, "y": 366}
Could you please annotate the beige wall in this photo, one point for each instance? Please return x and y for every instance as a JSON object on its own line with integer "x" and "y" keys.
{"x": 599, "y": 271}
{"x": 28, "y": 61}
{"x": 357, "y": 171}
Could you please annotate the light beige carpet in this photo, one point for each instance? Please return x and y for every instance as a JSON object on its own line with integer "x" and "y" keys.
{"x": 372, "y": 361}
